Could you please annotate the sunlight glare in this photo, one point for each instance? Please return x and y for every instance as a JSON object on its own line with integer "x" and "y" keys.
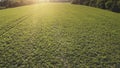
{"x": 43, "y": 0}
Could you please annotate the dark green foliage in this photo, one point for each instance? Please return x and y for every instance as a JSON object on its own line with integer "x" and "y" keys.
{"x": 74, "y": 2}
{"x": 108, "y": 4}
{"x": 86, "y": 2}
{"x": 113, "y": 5}
{"x": 100, "y": 4}
{"x": 92, "y": 2}
{"x": 15, "y": 3}
{"x": 118, "y": 3}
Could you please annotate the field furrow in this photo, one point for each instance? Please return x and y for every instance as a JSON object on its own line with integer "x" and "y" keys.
{"x": 10, "y": 26}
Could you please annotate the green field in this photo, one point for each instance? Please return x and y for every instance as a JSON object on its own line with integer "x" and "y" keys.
{"x": 59, "y": 35}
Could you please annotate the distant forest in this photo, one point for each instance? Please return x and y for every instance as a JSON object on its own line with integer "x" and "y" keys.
{"x": 15, "y": 3}
{"x": 113, "y": 5}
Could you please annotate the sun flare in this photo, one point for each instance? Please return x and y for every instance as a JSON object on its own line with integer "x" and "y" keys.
{"x": 44, "y": 0}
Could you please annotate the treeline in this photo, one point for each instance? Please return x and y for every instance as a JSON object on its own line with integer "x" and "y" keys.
{"x": 59, "y": 0}
{"x": 113, "y": 5}
{"x": 15, "y": 3}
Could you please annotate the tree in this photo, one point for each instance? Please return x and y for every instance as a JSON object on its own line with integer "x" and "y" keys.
{"x": 113, "y": 5}
{"x": 15, "y": 3}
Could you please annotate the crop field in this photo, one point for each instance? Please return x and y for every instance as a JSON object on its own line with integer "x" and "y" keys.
{"x": 59, "y": 35}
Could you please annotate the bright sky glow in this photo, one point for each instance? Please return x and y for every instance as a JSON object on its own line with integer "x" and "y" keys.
{"x": 43, "y": 0}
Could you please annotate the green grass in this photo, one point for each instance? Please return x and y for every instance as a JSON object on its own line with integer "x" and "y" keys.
{"x": 59, "y": 35}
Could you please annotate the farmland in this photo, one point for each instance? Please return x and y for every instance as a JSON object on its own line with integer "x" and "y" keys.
{"x": 59, "y": 35}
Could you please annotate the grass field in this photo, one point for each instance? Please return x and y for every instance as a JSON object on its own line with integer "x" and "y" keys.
{"x": 59, "y": 35}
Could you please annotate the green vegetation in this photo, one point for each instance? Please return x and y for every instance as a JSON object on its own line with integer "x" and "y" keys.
{"x": 15, "y": 3}
{"x": 113, "y": 5}
{"x": 59, "y": 35}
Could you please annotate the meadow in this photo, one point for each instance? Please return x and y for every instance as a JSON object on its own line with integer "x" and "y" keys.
{"x": 59, "y": 35}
